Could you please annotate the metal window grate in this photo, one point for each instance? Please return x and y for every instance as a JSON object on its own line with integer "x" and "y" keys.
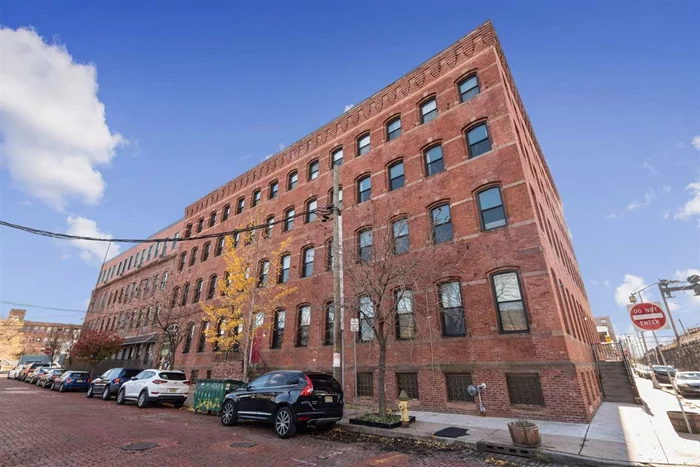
{"x": 457, "y": 385}
{"x": 365, "y": 385}
{"x": 525, "y": 389}
{"x": 408, "y": 382}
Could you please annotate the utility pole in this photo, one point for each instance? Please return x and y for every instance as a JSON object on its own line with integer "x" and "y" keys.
{"x": 337, "y": 313}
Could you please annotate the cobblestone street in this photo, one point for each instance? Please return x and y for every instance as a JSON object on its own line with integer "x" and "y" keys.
{"x": 41, "y": 427}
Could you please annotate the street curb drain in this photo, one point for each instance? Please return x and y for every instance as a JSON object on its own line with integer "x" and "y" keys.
{"x": 139, "y": 446}
{"x": 482, "y": 446}
{"x": 242, "y": 444}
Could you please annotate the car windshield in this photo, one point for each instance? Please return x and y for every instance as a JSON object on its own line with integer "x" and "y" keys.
{"x": 664, "y": 368}
{"x": 57, "y": 372}
{"x": 172, "y": 376}
{"x": 130, "y": 373}
{"x": 323, "y": 382}
{"x": 78, "y": 375}
{"x": 689, "y": 375}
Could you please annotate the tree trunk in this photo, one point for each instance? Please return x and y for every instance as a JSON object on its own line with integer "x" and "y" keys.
{"x": 381, "y": 374}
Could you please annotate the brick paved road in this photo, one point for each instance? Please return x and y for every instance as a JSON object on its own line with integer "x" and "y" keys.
{"x": 77, "y": 431}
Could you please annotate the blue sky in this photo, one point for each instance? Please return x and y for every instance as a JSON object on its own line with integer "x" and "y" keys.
{"x": 196, "y": 93}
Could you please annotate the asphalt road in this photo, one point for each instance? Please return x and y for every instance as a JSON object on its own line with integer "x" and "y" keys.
{"x": 39, "y": 427}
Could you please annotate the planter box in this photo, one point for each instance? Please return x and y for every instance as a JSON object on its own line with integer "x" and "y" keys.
{"x": 525, "y": 436}
{"x": 678, "y": 421}
{"x": 357, "y": 421}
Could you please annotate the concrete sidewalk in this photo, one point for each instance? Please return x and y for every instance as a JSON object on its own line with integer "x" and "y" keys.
{"x": 619, "y": 434}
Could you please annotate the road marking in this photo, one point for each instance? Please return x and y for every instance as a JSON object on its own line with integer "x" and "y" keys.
{"x": 303, "y": 462}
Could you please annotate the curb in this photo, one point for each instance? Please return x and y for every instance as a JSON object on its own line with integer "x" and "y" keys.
{"x": 543, "y": 455}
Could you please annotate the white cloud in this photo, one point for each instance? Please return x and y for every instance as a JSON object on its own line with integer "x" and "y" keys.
{"x": 90, "y": 251}
{"x": 649, "y": 168}
{"x": 667, "y": 214}
{"x": 648, "y": 198}
{"x": 54, "y": 133}
{"x": 696, "y": 142}
{"x": 630, "y": 284}
{"x": 692, "y": 207}
{"x": 595, "y": 282}
{"x": 348, "y": 107}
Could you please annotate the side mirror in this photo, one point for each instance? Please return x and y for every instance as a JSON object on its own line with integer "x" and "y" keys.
{"x": 133, "y": 378}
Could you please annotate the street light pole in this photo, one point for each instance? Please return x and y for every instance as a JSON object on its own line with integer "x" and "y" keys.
{"x": 337, "y": 314}
{"x": 668, "y": 310}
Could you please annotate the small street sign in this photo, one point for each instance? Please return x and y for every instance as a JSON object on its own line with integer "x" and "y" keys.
{"x": 648, "y": 316}
{"x": 355, "y": 324}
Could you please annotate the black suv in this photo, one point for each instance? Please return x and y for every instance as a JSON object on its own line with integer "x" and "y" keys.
{"x": 289, "y": 399}
{"x": 110, "y": 381}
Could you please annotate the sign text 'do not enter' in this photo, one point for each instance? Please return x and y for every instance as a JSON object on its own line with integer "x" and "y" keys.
{"x": 647, "y": 316}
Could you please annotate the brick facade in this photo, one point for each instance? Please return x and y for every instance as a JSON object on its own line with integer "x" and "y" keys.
{"x": 553, "y": 353}
{"x": 40, "y": 335}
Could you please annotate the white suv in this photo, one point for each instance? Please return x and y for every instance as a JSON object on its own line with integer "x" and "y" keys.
{"x": 155, "y": 386}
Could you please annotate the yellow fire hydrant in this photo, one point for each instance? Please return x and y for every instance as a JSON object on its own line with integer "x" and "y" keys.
{"x": 403, "y": 407}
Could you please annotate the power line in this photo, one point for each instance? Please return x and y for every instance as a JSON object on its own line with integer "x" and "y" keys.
{"x": 324, "y": 212}
{"x": 29, "y": 305}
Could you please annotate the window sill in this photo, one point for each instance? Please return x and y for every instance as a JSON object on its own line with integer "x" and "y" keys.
{"x": 470, "y": 157}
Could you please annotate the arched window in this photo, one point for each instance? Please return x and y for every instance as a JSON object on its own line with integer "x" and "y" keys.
{"x": 400, "y": 235}
{"x": 278, "y": 330}
{"x": 193, "y": 256}
{"x": 240, "y": 205}
{"x": 428, "y": 110}
{"x": 285, "y": 265}
{"x": 263, "y": 272}
{"x": 396, "y": 176}
{"x": 453, "y": 321}
{"x": 363, "y": 144}
{"x": 491, "y": 211}
{"x": 364, "y": 245}
{"x": 185, "y": 294}
{"x": 274, "y": 189}
{"x": 364, "y": 189}
{"x": 441, "y": 220}
{"x": 307, "y": 268}
{"x": 330, "y": 315}
{"x": 311, "y": 206}
{"x": 173, "y": 302}
{"x": 197, "y": 290}
{"x": 478, "y": 140}
{"x": 366, "y": 316}
{"x": 200, "y": 225}
{"x": 212, "y": 219}
{"x": 468, "y": 88}
{"x": 337, "y": 157}
{"x": 289, "y": 219}
{"x": 405, "y": 321}
{"x": 507, "y": 292}
{"x": 434, "y": 163}
{"x": 205, "y": 251}
{"x": 227, "y": 212}
{"x": 203, "y": 336}
{"x": 212, "y": 287}
{"x": 269, "y": 225}
{"x": 303, "y": 326}
{"x": 292, "y": 180}
{"x": 313, "y": 169}
{"x": 219, "y": 246}
{"x": 257, "y": 197}
{"x": 188, "y": 231}
{"x": 393, "y": 128}
{"x": 183, "y": 261}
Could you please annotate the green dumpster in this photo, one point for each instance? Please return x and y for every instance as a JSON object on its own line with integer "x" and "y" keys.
{"x": 210, "y": 393}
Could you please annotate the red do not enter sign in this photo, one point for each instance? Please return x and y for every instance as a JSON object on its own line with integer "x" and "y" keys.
{"x": 648, "y": 316}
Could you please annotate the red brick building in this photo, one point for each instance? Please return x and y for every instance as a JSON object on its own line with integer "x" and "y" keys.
{"x": 38, "y": 336}
{"x": 449, "y": 150}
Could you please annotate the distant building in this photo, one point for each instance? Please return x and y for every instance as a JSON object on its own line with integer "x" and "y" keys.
{"x": 605, "y": 329}
{"x": 38, "y": 335}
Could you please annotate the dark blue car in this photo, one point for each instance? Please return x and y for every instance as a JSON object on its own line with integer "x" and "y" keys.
{"x": 109, "y": 382}
{"x": 72, "y": 381}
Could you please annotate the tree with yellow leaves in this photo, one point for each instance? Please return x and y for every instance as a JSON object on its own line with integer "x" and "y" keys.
{"x": 249, "y": 291}
{"x": 11, "y": 345}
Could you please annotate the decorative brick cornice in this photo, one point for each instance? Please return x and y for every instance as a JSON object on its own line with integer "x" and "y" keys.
{"x": 478, "y": 39}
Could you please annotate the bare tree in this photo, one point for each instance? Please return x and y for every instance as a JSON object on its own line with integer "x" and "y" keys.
{"x": 389, "y": 274}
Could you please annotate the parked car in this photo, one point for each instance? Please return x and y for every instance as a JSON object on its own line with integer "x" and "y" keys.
{"x": 688, "y": 383}
{"x": 14, "y": 373}
{"x": 288, "y": 399}
{"x": 155, "y": 386}
{"x": 46, "y": 379}
{"x": 109, "y": 382}
{"x": 643, "y": 371}
{"x": 29, "y": 370}
{"x": 663, "y": 373}
{"x": 72, "y": 380}
{"x": 34, "y": 376}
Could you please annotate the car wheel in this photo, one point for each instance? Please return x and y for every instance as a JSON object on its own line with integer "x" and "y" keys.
{"x": 121, "y": 397}
{"x": 285, "y": 427}
{"x": 105, "y": 393}
{"x": 229, "y": 415}
{"x": 142, "y": 401}
{"x": 90, "y": 392}
{"x": 179, "y": 404}
{"x": 62, "y": 388}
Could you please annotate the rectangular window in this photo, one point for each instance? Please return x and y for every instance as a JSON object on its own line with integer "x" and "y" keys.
{"x": 274, "y": 188}
{"x": 365, "y": 385}
{"x": 525, "y": 389}
{"x": 289, "y": 220}
{"x": 256, "y": 197}
{"x": 407, "y": 382}
{"x": 311, "y": 210}
{"x": 278, "y": 331}
{"x": 509, "y": 302}
{"x": 313, "y": 170}
{"x": 285, "y": 264}
{"x": 363, "y": 145}
{"x": 304, "y": 324}
{"x": 197, "y": 291}
{"x": 270, "y": 225}
{"x": 227, "y": 212}
{"x": 330, "y": 314}
{"x": 205, "y": 251}
{"x": 434, "y": 162}
{"x": 212, "y": 219}
{"x": 393, "y": 129}
{"x": 468, "y": 89}
{"x": 292, "y": 180}
{"x": 442, "y": 224}
{"x": 337, "y": 157}
{"x": 308, "y": 266}
{"x": 428, "y": 111}
{"x": 193, "y": 256}
{"x": 200, "y": 225}
{"x": 401, "y": 239}
{"x": 366, "y": 319}
{"x": 236, "y": 239}
{"x": 155, "y": 253}
{"x": 185, "y": 293}
{"x": 364, "y": 189}
{"x": 201, "y": 345}
{"x": 491, "y": 207}
{"x": 364, "y": 246}
{"x": 240, "y": 205}
{"x": 478, "y": 139}
{"x": 264, "y": 272}
{"x": 183, "y": 261}
{"x": 457, "y": 385}
{"x": 396, "y": 176}
{"x": 405, "y": 322}
{"x": 219, "y": 246}
{"x": 150, "y": 250}
{"x": 453, "y": 322}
